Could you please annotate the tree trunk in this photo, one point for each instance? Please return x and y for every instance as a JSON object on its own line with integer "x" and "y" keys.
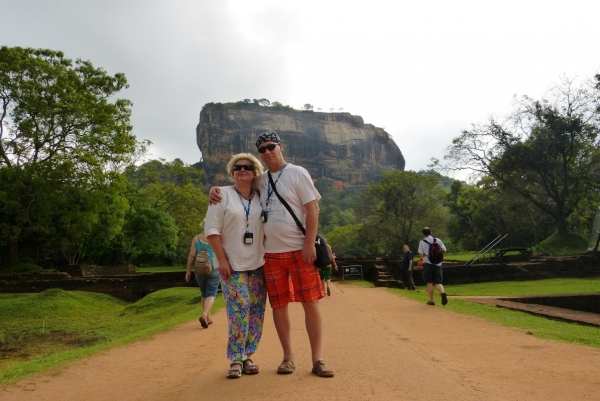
{"x": 561, "y": 223}
{"x": 13, "y": 254}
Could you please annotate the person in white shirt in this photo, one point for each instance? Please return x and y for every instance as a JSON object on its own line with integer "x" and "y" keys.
{"x": 432, "y": 271}
{"x": 289, "y": 254}
{"x": 236, "y": 234}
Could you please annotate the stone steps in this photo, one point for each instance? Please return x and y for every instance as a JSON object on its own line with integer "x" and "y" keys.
{"x": 385, "y": 279}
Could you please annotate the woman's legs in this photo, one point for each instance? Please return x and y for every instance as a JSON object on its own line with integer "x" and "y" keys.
{"x": 257, "y": 296}
{"x": 245, "y": 300}
{"x": 207, "y": 304}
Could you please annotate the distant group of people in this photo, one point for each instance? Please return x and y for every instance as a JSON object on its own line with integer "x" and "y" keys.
{"x": 255, "y": 248}
{"x": 259, "y": 249}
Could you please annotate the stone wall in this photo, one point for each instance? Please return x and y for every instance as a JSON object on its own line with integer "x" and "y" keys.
{"x": 132, "y": 287}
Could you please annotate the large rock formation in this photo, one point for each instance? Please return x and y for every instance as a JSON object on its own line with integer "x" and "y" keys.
{"x": 339, "y": 146}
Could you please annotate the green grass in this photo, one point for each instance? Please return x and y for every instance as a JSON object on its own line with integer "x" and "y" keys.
{"x": 533, "y": 325}
{"x": 566, "y": 244}
{"x": 39, "y": 331}
{"x": 360, "y": 283}
{"x": 533, "y": 287}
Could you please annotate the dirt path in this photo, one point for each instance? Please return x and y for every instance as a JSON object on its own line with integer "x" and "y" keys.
{"x": 381, "y": 346}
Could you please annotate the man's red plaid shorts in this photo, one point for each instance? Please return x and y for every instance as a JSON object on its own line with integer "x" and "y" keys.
{"x": 306, "y": 284}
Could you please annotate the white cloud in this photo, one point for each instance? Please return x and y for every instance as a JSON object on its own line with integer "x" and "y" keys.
{"x": 422, "y": 70}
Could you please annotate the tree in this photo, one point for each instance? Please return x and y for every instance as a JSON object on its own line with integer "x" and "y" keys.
{"x": 547, "y": 151}
{"x": 307, "y": 107}
{"x": 60, "y": 127}
{"x": 395, "y": 208}
{"x": 172, "y": 188}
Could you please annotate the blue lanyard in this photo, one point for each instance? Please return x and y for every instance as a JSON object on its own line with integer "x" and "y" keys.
{"x": 246, "y": 209}
{"x": 269, "y": 190}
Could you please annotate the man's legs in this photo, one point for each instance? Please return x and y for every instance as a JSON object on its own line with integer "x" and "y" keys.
{"x": 281, "y": 318}
{"x": 430, "y": 291}
{"x": 314, "y": 328}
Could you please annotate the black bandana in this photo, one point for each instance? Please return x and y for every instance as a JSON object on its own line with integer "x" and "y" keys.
{"x": 268, "y": 136}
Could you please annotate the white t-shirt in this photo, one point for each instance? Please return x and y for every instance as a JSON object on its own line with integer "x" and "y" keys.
{"x": 295, "y": 185}
{"x": 228, "y": 219}
{"x": 424, "y": 247}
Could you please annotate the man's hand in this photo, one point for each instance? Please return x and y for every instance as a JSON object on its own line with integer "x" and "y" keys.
{"x": 309, "y": 253}
{"x": 214, "y": 195}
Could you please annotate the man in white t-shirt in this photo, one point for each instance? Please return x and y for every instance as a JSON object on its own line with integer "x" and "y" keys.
{"x": 432, "y": 272}
{"x": 289, "y": 254}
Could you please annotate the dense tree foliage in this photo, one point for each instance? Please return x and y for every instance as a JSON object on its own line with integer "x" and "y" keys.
{"x": 547, "y": 152}
{"x": 64, "y": 138}
{"x": 394, "y": 210}
{"x": 172, "y": 189}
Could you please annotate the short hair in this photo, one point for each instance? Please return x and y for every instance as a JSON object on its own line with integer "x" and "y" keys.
{"x": 426, "y": 231}
{"x": 405, "y": 245}
{"x": 244, "y": 156}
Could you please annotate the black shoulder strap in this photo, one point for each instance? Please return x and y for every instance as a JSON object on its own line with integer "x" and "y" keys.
{"x": 287, "y": 206}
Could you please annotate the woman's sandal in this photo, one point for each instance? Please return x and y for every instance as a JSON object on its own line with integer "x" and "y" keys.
{"x": 287, "y": 366}
{"x": 235, "y": 370}
{"x": 321, "y": 370}
{"x": 249, "y": 367}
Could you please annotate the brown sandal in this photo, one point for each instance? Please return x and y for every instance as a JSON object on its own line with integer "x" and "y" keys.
{"x": 235, "y": 372}
{"x": 321, "y": 370}
{"x": 287, "y": 366}
{"x": 249, "y": 367}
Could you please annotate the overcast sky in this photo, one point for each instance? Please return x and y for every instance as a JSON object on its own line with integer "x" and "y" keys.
{"x": 423, "y": 71}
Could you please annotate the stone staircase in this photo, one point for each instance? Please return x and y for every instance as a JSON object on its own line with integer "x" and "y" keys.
{"x": 384, "y": 278}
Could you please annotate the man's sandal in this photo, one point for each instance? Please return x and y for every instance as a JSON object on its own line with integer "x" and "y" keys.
{"x": 287, "y": 366}
{"x": 235, "y": 370}
{"x": 249, "y": 367}
{"x": 321, "y": 370}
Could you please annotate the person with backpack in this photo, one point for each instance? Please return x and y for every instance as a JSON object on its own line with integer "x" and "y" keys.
{"x": 208, "y": 283}
{"x": 432, "y": 252}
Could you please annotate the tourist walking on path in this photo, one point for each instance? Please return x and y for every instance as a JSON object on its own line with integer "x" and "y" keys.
{"x": 407, "y": 269}
{"x": 288, "y": 252}
{"x": 208, "y": 283}
{"x": 432, "y": 251}
{"x": 236, "y": 233}
{"x": 325, "y": 273}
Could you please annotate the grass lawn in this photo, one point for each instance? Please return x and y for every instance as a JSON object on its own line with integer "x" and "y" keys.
{"x": 533, "y": 325}
{"x": 38, "y": 331}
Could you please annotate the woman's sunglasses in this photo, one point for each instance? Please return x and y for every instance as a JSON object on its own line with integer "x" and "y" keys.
{"x": 247, "y": 167}
{"x": 271, "y": 147}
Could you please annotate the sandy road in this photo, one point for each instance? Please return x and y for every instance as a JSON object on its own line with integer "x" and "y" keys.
{"x": 382, "y": 347}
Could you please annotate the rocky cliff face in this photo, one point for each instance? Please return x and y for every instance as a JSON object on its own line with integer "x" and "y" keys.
{"x": 339, "y": 146}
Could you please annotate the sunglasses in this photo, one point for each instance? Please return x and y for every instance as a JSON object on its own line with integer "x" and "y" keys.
{"x": 247, "y": 167}
{"x": 271, "y": 147}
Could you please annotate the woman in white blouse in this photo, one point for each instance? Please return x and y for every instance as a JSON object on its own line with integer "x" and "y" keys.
{"x": 235, "y": 232}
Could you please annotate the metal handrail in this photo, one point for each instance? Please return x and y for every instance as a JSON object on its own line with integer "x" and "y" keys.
{"x": 485, "y": 249}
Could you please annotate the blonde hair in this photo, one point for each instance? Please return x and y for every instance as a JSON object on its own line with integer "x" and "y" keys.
{"x": 244, "y": 156}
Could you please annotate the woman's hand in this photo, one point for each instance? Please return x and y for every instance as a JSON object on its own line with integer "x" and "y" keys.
{"x": 188, "y": 274}
{"x": 225, "y": 269}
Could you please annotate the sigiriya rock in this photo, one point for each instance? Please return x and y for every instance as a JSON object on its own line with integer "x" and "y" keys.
{"x": 339, "y": 146}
